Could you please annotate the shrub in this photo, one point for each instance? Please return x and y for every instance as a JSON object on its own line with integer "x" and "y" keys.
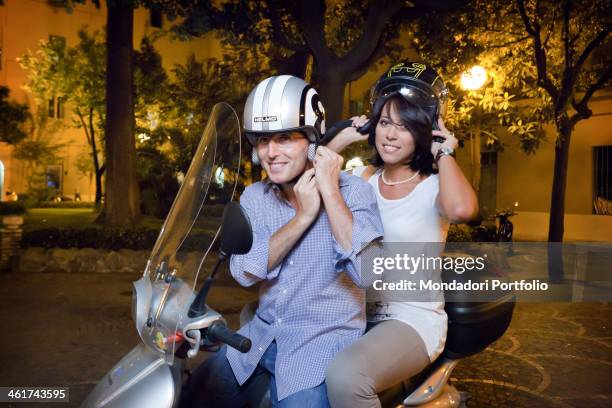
{"x": 65, "y": 204}
{"x": 105, "y": 238}
{"x": 459, "y": 233}
{"x": 12, "y": 207}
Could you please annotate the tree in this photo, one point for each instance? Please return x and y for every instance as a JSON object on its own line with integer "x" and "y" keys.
{"x": 547, "y": 53}
{"x": 343, "y": 41}
{"x": 77, "y": 75}
{"x": 37, "y": 150}
{"x": 121, "y": 204}
{"x": 13, "y": 117}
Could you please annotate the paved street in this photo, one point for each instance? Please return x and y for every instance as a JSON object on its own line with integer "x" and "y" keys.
{"x": 68, "y": 329}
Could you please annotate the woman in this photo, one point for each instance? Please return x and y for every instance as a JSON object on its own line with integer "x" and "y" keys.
{"x": 416, "y": 205}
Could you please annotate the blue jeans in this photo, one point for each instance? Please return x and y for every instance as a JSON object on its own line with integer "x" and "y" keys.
{"x": 215, "y": 385}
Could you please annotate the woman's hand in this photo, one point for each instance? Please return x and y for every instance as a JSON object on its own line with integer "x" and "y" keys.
{"x": 449, "y": 138}
{"x": 349, "y": 135}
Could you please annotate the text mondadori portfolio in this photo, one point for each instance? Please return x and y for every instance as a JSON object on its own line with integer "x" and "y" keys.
{"x": 469, "y": 285}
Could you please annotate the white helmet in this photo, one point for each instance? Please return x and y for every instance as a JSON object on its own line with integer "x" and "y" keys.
{"x": 284, "y": 103}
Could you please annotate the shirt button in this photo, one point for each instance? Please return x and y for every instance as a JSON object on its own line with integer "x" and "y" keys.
{"x": 260, "y": 349}
{"x": 279, "y": 320}
{"x": 290, "y": 262}
{"x": 284, "y": 291}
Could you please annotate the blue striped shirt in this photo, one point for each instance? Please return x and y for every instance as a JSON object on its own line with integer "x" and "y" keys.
{"x": 312, "y": 302}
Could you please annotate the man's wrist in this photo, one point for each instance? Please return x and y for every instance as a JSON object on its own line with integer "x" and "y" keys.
{"x": 303, "y": 220}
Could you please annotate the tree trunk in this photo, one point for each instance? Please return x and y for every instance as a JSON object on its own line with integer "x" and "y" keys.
{"x": 94, "y": 154}
{"x": 557, "y": 202}
{"x": 121, "y": 203}
{"x": 331, "y": 86}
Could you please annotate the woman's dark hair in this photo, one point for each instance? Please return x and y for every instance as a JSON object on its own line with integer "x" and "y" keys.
{"x": 414, "y": 119}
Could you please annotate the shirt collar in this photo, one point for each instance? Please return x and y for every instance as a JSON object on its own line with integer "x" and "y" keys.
{"x": 269, "y": 185}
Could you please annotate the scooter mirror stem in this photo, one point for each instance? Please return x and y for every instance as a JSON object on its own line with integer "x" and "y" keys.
{"x": 198, "y": 307}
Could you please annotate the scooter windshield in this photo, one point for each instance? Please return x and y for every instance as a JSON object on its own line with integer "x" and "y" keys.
{"x": 166, "y": 289}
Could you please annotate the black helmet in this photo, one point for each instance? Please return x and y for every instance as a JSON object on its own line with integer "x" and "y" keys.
{"x": 417, "y": 83}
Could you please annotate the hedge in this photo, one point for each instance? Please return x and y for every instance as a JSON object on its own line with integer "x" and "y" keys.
{"x": 12, "y": 208}
{"x": 105, "y": 238}
{"x": 64, "y": 204}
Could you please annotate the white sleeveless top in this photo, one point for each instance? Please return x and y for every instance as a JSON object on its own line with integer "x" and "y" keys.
{"x": 413, "y": 218}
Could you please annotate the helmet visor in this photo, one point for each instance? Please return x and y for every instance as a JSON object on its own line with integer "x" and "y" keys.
{"x": 415, "y": 91}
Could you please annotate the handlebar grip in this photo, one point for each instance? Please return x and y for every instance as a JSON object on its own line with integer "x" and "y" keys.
{"x": 218, "y": 331}
{"x": 338, "y": 127}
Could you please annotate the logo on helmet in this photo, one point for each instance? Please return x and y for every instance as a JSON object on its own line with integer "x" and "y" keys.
{"x": 265, "y": 119}
{"x": 415, "y": 70}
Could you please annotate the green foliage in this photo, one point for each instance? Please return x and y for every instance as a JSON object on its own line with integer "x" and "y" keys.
{"x": 12, "y": 208}
{"x": 38, "y": 191}
{"x": 343, "y": 38}
{"x": 459, "y": 233}
{"x": 158, "y": 183}
{"x": 493, "y": 35}
{"x": 13, "y": 117}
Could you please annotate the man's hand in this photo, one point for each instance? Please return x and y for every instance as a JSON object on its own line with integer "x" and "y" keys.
{"x": 307, "y": 197}
{"x": 327, "y": 167}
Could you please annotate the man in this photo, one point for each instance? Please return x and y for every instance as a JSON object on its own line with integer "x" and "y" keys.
{"x": 310, "y": 221}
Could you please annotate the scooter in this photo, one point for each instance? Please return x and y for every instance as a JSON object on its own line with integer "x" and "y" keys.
{"x": 175, "y": 324}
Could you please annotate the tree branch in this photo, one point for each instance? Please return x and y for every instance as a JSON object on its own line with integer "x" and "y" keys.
{"x": 378, "y": 15}
{"x": 552, "y": 27}
{"x": 279, "y": 34}
{"x": 566, "y": 40}
{"x": 597, "y": 85}
{"x": 509, "y": 43}
{"x": 599, "y": 39}
{"x": 313, "y": 15}
{"x": 540, "y": 54}
{"x": 80, "y": 115}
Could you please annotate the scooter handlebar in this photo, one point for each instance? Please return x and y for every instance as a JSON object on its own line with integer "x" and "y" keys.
{"x": 218, "y": 331}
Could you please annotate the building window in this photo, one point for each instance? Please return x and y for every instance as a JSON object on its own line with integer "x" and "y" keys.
{"x": 60, "y": 107}
{"x": 155, "y": 18}
{"x": 53, "y": 177}
{"x": 51, "y": 110}
{"x": 56, "y": 107}
{"x": 602, "y": 188}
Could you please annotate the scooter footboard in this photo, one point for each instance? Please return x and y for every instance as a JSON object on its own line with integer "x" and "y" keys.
{"x": 142, "y": 379}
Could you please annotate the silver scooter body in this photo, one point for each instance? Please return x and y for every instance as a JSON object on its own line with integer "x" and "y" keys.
{"x": 150, "y": 375}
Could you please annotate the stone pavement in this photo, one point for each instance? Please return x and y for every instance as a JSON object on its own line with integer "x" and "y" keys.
{"x": 63, "y": 329}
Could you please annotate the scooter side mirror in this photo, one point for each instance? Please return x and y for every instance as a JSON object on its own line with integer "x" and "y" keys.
{"x": 236, "y": 232}
{"x": 236, "y": 238}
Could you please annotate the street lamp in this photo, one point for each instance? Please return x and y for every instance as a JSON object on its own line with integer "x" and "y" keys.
{"x": 474, "y": 78}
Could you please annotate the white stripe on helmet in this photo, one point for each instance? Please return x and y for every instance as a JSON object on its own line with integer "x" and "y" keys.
{"x": 274, "y": 105}
{"x": 258, "y": 104}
